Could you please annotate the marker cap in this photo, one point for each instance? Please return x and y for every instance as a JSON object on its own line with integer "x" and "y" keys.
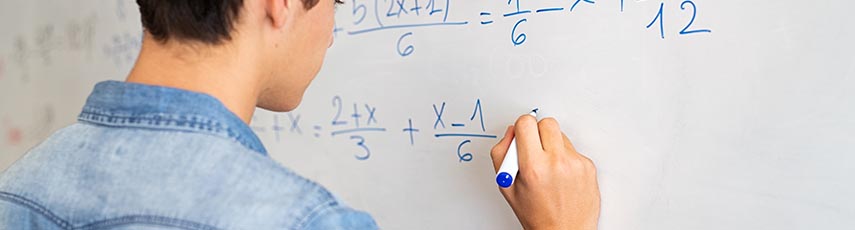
{"x": 504, "y": 179}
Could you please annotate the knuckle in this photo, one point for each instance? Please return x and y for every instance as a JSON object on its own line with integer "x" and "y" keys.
{"x": 548, "y": 123}
{"x": 562, "y": 165}
{"x": 525, "y": 121}
{"x": 541, "y": 173}
{"x": 586, "y": 160}
{"x": 586, "y": 163}
{"x": 578, "y": 164}
{"x": 590, "y": 165}
{"x": 536, "y": 175}
{"x": 592, "y": 169}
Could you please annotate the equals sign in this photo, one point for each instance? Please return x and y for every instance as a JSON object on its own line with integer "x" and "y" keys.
{"x": 317, "y": 131}
{"x": 486, "y": 14}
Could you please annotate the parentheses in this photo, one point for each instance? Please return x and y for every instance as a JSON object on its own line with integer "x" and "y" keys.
{"x": 377, "y": 13}
{"x": 447, "y": 7}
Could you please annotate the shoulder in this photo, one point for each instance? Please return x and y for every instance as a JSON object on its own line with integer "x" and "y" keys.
{"x": 301, "y": 202}
{"x": 192, "y": 177}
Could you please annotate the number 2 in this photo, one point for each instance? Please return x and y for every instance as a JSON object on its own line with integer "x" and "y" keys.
{"x": 660, "y": 17}
{"x": 336, "y": 102}
{"x": 694, "y": 14}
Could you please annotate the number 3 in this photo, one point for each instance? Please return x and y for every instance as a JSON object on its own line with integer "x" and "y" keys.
{"x": 361, "y": 143}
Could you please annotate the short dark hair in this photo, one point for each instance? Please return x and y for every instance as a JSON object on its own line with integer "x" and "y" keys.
{"x": 206, "y": 21}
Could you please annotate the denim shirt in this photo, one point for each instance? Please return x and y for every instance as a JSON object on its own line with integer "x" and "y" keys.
{"x": 148, "y": 157}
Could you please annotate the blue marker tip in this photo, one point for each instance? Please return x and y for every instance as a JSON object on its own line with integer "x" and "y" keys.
{"x": 504, "y": 179}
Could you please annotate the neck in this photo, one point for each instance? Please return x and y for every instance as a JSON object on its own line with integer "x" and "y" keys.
{"x": 225, "y": 72}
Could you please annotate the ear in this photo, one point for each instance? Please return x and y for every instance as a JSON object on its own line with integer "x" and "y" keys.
{"x": 278, "y": 11}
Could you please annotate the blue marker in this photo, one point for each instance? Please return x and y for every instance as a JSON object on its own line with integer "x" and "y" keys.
{"x": 510, "y": 165}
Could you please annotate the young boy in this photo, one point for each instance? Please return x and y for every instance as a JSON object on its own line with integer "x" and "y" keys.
{"x": 170, "y": 148}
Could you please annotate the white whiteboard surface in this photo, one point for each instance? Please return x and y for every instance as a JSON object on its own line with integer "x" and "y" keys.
{"x": 748, "y": 126}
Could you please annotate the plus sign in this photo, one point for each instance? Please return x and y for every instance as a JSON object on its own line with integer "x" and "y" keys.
{"x": 355, "y": 116}
{"x": 276, "y": 128}
{"x": 411, "y": 130}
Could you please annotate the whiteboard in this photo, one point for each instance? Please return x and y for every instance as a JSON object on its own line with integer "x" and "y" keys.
{"x": 699, "y": 114}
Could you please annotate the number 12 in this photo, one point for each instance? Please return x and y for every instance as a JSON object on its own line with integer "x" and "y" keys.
{"x": 660, "y": 18}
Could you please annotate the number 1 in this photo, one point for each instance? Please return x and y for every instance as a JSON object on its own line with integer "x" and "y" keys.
{"x": 659, "y": 17}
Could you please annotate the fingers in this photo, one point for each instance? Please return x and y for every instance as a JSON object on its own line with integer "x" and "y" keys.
{"x": 550, "y": 135}
{"x": 498, "y": 152}
{"x": 528, "y": 138}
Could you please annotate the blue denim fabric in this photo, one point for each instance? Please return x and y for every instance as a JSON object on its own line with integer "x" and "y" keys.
{"x": 148, "y": 157}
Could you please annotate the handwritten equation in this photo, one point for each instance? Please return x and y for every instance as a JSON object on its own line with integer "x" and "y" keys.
{"x": 358, "y": 124}
{"x": 76, "y": 36}
{"x": 406, "y": 16}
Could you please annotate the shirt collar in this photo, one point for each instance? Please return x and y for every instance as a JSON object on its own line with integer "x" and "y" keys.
{"x": 123, "y": 104}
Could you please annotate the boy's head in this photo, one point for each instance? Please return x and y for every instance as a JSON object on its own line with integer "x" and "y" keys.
{"x": 284, "y": 40}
